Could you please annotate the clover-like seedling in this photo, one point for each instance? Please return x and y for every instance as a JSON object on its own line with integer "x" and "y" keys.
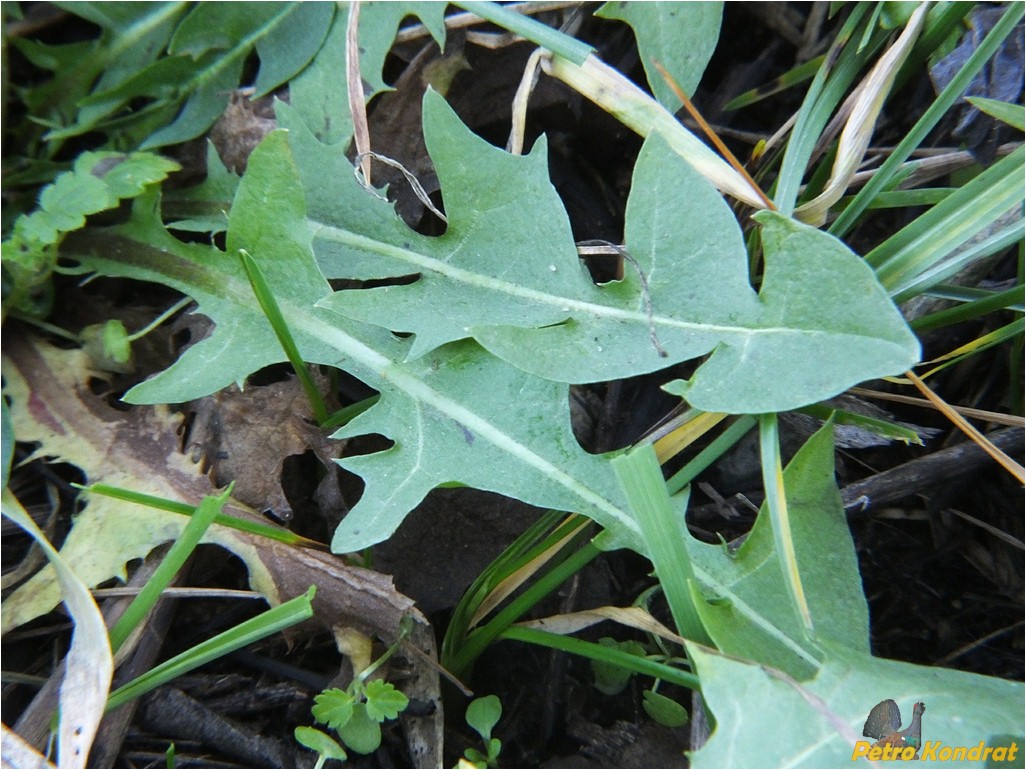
{"x": 357, "y": 712}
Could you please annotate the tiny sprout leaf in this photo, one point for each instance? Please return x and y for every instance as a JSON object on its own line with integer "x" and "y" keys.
{"x": 483, "y": 714}
{"x": 333, "y": 707}
{"x": 322, "y": 743}
{"x": 97, "y": 182}
{"x": 494, "y": 748}
{"x": 108, "y": 346}
{"x": 383, "y": 700}
{"x": 609, "y": 677}
{"x": 663, "y": 710}
{"x": 361, "y": 733}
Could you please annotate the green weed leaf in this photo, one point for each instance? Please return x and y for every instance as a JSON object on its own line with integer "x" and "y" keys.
{"x": 758, "y": 621}
{"x": 216, "y": 39}
{"x": 99, "y": 181}
{"x": 456, "y": 415}
{"x": 333, "y": 707}
{"x": 383, "y": 700}
{"x": 816, "y": 723}
{"x": 610, "y": 678}
{"x": 483, "y": 714}
{"x": 663, "y": 710}
{"x": 680, "y": 36}
{"x": 820, "y": 324}
{"x": 362, "y": 733}
{"x": 320, "y": 95}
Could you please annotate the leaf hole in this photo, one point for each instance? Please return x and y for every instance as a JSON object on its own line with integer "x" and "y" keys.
{"x": 269, "y": 374}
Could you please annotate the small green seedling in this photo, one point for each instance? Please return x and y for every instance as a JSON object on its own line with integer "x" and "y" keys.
{"x": 663, "y": 710}
{"x": 325, "y": 746}
{"x": 355, "y": 713}
{"x": 482, "y": 715}
{"x": 611, "y": 679}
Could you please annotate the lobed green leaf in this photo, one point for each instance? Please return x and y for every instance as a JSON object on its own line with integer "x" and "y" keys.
{"x": 383, "y": 700}
{"x": 680, "y": 36}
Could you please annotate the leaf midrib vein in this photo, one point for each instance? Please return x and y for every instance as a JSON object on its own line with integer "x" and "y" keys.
{"x": 566, "y": 304}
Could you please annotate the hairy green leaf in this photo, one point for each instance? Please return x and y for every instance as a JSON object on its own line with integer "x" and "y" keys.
{"x": 320, "y": 93}
{"x": 764, "y": 718}
{"x": 756, "y": 620}
{"x": 133, "y": 36}
{"x": 820, "y": 324}
{"x": 680, "y": 36}
{"x": 456, "y": 415}
{"x": 219, "y": 37}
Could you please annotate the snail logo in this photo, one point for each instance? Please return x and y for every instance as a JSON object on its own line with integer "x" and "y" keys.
{"x": 884, "y": 724}
{"x": 894, "y": 744}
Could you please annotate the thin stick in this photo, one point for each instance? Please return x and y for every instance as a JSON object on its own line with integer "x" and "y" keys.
{"x": 707, "y": 129}
{"x": 357, "y": 103}
{"x": 965, "y": 411}
{"x": 1002, "y": 459}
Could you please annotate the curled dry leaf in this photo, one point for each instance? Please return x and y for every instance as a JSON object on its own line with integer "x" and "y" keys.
{"x": 241, "y": 128}
{"x": 246, "y": 436}
{"x": 52, "y": 404}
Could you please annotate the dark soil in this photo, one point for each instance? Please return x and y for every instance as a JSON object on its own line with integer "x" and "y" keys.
{"x": 942, "y": 564}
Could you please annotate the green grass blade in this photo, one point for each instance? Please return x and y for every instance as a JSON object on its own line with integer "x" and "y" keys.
{"x": 1012, "y": 114}
{"x": 898, "y": 199}
{"x": 885, "y": 428}
{"x": 270, "y": 307}
{"x": 710, "y": 454}
{"x": 1009, "y": 299}
{"x": 1011, "y": 331}
{"x": 776, "y": 503}
{"x": 480, "y": 638}
{"x": 169, "y": 566}
{"x": 946, "y": 268}
{"x": 530, "y": 29}
{"x": 663, "y": 532}
{"x": 789, "y": 79}
{"x": 343, "y": 416}
{"x": 948, "y": 96}
{"x": 222, "y": 519}
{"x": 284, "y": 615}
{"x": 949, "y": 224}
{"x": 825, "y": 93}
{"x": 500, "y": 567}
{"x": 635, "y": 663}
{"x": 539, "y": 538}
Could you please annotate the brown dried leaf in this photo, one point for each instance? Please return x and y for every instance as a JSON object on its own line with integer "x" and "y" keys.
{"x": 52, "y": 404}
{"x": 241, "y": 128}
{"x": 246, "y": 436}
